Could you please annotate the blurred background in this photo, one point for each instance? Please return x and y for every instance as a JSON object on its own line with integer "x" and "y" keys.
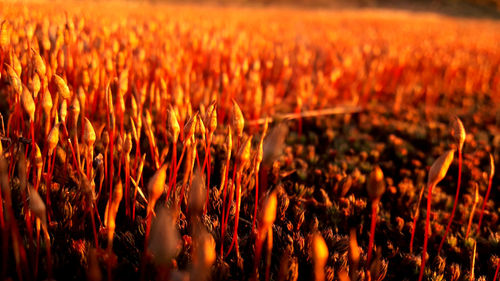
{"x": 473, "y": 8}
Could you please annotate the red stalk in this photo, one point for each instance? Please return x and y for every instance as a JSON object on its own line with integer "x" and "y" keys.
{"x": 66, "y": 135}
{"x": 484, "y": 205}
{"x": 32, "y": 129}
{"x": 471, "y": 216}
{"x": 496, "y": 271}
{"x": 237, "y": 215}
{"x": 256, "y": 197}
{"x": 127, "y": 186}
{"x": 139, "y": 178}
{"x": 198, "y": 161}
{"x": 110, "y": 172}
{"x": 206, "y": 163}
{"x": 224, "y": 208}
{"x": 106, "y": 163}
{"x": 137, "y": 153}
{"x": 174, "y": 174}
{"x": 180, "y": 159}
{"x": 52, "y": 165}
{"x": 97, "y": 214}
{"x": 426, "y": 233}
{"x": 209, "y": 170}
{"x": 173, "y": 171}
{"x": 48, "y": 181}
{"x": 229, "y": 202}
{"x": 177, "y": 170}
{"x": 454, "y": 203}
{"x": 231, "y": 194}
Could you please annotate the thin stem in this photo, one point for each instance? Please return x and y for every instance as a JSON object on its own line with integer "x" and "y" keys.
{"x": 178, "y": 165}
{"x": 229, "y": 202}
{"x": 127, "y": 186}
{"x": 75, "y": 161}
{"x": 181, "y": 197}
{"x": 32, "y": 129}
{"x": 137, "y": 153}
{"x": 106, "y": 164}
{"x": 174, "y": 176}
{"x": 78, "y": 157}
{"x": 237, "y": 214}
{"x": 231, "y": 194}
{"x": 66, "y": 135}
{"x": 484, "y": 205}
{"x": 426, "y": 233}
{"x": 454, "y": 203}
{"x": 470, "y": 220}
{"x": 49, "y": 183}
{"x": 110, "y": 171}
{"x": 136, "y": 184}
{"x": 496, "y": 271}
{"x": 198, "y": 161}
{"x": 226, "y": 174}
{"x": 172, "y": 171}
{"x": 209, "y": 167}
{"x": 152, "y": 146}
{"x": 256, "y": 197}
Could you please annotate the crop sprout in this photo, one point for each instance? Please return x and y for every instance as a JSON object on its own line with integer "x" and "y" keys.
{"x": 458, "y": 133}
{"x": 437, "y": 173}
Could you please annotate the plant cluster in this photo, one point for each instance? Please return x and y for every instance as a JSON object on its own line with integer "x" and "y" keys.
{"x": 196, "y": 146}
